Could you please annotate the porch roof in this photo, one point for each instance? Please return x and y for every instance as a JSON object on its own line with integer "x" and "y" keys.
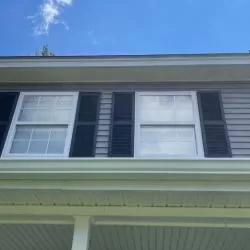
{"x": 214, "y": 183}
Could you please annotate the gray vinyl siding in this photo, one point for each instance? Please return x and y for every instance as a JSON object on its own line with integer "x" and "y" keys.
{"x": 236, "y": 105}
{"x": 235, "y": 98}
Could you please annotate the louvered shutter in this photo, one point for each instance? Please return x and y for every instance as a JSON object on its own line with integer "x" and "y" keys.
{"x": 214, "y": 130}
{"x": 84, "y": 135}
{"x": 122, "y": 127}
{"x": 8, "y": 102}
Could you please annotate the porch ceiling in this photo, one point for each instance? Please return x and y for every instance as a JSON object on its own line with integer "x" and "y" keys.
{"x": 36, "y": 237}
{"x": 59, "y": 237}
{"x": 168, "y": 238}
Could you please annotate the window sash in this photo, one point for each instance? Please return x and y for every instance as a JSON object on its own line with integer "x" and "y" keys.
{"x": 167, "y": 123}
{"x": 15, "y": 123}
{"x": 195, "y": 122}
{"x": 168, "y": 136}
{"x": 43, "y": 138}
{"x": 42, "y": 123}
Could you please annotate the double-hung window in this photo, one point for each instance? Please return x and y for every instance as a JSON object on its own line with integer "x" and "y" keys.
{"x": 42, "y": 125}
{"x": 167, "y": 125}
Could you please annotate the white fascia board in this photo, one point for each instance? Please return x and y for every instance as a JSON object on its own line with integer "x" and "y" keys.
{"x": 48, "y": 220}
{"x": 126, "y": 61}
{"x": 173, "y": 222}
{"x": 127, "y": 169}
{"x": 181, "y": 213}
{"x": 213, "y": 186}
{"x": 209, "y": 222}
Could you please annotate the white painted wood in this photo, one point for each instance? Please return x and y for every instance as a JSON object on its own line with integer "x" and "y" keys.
{"x": 121, "y": 61}
{"x": 29, "y": 220}
{"x": 120, "y": 189}
{"x": 196, "y": 222}
{"x": 81, "y": 233}
{"x": 180, "y": 212}
{"x": 125, "y": 169}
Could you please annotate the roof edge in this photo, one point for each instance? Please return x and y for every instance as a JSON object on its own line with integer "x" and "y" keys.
{"x": 125, "y": 61}
{"x": 127, "y": 56}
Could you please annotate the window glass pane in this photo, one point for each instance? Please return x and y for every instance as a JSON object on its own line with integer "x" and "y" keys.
{"x": 57, "y": 141}
{"x": 47, "y": 101}
{"x": 40, "y": 133}
{"x": 42, "y": 115}
{"x": 55, "y": 147}
{"x": 58, "y": 134}
{"x": 19, "y": 147}
{"x": 26, "y": 115}
{"x": 37, "y": 147}
{"x": 166, "y": 108}
{"x": 39, "y": 140}
{"x": 30, "y": 101}
{"x": 46, "y": 109}
{"x": 167, "y": 141}
{"x": 23, "y": 133}
{"x": 61, "y": 115}
{"x": 64, "y": 102}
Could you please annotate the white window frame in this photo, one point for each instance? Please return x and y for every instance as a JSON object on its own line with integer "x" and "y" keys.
{"x": 196, "y": 123}
{"x": 8, "y": 143}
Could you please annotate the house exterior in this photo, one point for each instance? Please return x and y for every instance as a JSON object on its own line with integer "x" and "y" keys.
{"x": 125, "y": 152}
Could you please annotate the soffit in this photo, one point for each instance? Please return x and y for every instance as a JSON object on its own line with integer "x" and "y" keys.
{"x": 135, "y": 74}
{"x": 40, "y": 237}
{"x": 171, "y": 238}
{"x": 35, "y": 237}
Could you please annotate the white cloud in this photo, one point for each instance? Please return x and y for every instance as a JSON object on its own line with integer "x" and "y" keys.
{"x": 48, "y": 15}
{"x": 64, "y": 2}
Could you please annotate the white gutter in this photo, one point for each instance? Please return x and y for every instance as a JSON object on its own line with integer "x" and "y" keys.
{"x": 138, "y": 61}
{"x": 126, "y": 169}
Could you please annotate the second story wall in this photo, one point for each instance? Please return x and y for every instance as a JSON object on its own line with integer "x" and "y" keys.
{"x": 235, "y": 100}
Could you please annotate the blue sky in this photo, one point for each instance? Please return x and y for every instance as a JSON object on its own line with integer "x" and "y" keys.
{"x": 98, "y": 27}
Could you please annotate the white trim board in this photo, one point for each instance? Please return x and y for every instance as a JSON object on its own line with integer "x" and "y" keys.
{"x": 208, "y": 59}
{"x": 131, "y": 221}
{"x": 136, "y": 186}
{"x": 127, "y": 169}
{"x": 237, "y": 213}
{"x": 49, "y": 220}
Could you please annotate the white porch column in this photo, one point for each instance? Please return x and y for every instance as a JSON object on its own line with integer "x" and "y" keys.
{"x": 81, "y": 233}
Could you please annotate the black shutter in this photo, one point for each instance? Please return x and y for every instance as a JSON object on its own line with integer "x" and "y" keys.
{"x": 122, "y": 127}
{"x": 214, "y": 130}
{"x": 8, "y": 102}
{"x": 84, "y": 136}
